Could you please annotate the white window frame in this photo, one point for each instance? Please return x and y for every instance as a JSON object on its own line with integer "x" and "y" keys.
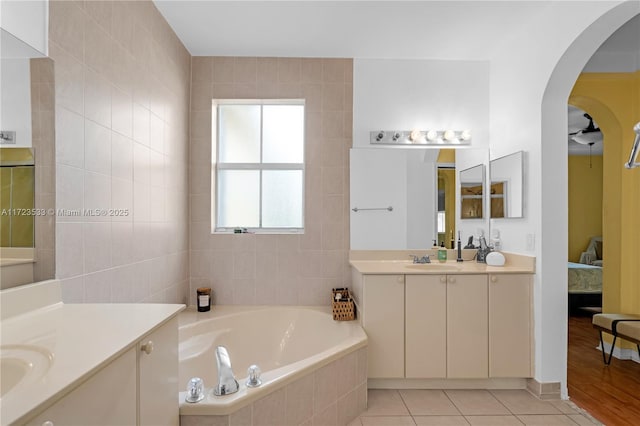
{"x": 215, "y": 165}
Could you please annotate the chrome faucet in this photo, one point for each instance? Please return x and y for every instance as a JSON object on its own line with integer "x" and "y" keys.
{"x": 423, "y": 259}
{"x": 227, "y": 383}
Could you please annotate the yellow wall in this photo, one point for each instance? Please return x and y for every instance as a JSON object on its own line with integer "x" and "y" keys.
{"x": 585, "y": 202}
{"x": 447, "y": 180}
{"x": 613, "y": 100}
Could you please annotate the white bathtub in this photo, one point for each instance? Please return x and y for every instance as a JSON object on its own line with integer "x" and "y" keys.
{"x": 287, "y": 343}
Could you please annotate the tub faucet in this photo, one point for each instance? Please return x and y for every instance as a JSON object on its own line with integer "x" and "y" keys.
{"x": 227, "y": 383}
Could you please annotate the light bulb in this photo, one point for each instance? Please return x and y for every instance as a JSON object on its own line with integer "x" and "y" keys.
{"x": 465, "y": 135}
{"x": 449, "y": 135}
{"x": 415, "y": 135}
{"x": 432, "y": 135}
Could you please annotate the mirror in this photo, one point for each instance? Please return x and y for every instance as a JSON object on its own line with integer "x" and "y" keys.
{"x": 506, "y": 186}
{"x": 472, "y": 192}
{"x": 409, "y": 181}
{"x": 27, "y": 159}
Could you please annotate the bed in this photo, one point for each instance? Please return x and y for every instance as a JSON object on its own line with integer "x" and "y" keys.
{"x": 585, "y": 287}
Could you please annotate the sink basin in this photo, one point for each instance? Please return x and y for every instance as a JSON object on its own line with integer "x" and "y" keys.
{"x": 22, "y": 364}
{"x": 444, "y": 267}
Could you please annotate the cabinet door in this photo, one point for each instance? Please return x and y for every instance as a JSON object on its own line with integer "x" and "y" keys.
{"x": 158, "y": 376}
{"x": 426, "y": 326}
{"x": 106, "y": 398}
{"x": 467, "y": 327}
{"x": 510, "y": 325}
{"x": 383, "y": 320}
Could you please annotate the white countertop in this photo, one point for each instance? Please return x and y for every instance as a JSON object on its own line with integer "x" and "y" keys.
{"x": 450, "y": 267}
{"x": 396, "y": 262}
{"x": 78, "y": 340}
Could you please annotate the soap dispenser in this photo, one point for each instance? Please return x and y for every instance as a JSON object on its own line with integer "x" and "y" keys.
{"x": 442, "y": 253}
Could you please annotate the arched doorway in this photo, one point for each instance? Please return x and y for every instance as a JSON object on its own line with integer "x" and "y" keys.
{"x": 554, "y": 157}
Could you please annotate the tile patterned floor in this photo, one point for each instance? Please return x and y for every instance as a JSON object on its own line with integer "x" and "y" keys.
{"x": 417, "y": 407}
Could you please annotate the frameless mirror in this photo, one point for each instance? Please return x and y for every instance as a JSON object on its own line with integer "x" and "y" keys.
{"x": 27, "y": 184}
{"x": 472, "y": 192}
{"x": 506, "y": 186}
{"x": 406, "y": 198}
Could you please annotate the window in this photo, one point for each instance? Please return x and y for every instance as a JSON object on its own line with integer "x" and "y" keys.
{"x": 259, "y": 165}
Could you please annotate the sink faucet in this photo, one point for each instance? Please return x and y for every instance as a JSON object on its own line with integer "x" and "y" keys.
{"x": 423, "y": 259}
{"x": 227, "y": 383}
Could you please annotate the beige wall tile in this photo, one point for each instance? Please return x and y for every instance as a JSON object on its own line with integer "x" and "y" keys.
{"x": 223, "y": 69}
{"x": 348, "y": 407}
{"x": 121, "y": 73}
{"x": 242, "y": 417}
{"x": 66, "y": 26}
{"x": 325, "y": 387}
{"x": 315, "y": 80}
{"x": 201, "y": 70}
{"x": 327, "y": 417}
{"x": 299, "y": 400}
{"x": 270, "y": 410}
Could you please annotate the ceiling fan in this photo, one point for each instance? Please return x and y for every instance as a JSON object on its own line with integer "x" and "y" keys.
{"x": 587, "y": 136}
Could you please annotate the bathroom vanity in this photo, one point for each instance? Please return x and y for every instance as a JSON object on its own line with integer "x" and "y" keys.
{"x": 99, "y": 364}
{"x": 445, "y": 324}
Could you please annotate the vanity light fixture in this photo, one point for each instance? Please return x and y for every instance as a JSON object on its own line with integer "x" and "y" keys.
{"x": 415, "y": 136}
{"x": 432, "y": 135}
{"x": 420, "y": 138}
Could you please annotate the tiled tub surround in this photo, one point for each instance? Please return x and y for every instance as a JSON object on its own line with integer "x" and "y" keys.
{"x": 314, "y": 368}
{"x": 275, "y": 269}
{"x": 121, "y": 122}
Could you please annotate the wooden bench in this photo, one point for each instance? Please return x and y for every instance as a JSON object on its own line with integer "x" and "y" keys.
{"x": 610, "y": 323}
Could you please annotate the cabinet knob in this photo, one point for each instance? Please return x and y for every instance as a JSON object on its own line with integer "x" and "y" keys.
{"x": 400, "y": 279}
{"x": 147, "y": 347}
{"x": 494, "y": 279}
{"x": 47, "y": 423}
{"x": 443, "y": 279}
{"x": 452, "y": 280}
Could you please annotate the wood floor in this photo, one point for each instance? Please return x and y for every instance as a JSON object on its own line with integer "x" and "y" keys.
{"x": 610, "y": 394}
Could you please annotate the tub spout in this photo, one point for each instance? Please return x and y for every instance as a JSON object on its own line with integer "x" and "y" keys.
{"x": 227, "y": 383}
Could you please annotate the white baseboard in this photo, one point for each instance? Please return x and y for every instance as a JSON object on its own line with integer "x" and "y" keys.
{"x": 620, "y": 353}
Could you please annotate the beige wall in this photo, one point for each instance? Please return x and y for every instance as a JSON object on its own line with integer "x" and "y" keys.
{"x": 122, "y": 96}
{"x": 276, "y": 269}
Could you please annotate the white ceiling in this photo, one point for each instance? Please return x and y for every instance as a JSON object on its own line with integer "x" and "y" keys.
{"x": 470, "y": 30}
{"x": 467, "y": 30}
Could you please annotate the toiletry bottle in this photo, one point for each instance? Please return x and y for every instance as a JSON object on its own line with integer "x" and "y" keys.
{"x": 495, "y": 240}
{"x": 442, "y": 253}
{"x": 203, "y": 299}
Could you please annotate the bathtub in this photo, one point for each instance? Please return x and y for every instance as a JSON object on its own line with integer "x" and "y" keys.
{"x": 313, "y": 368}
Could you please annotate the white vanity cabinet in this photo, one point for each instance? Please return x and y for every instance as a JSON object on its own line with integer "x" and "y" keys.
{"x": 453, "y": 326}
{"x": 106, "y": 398}
{"x": 384, "y": 324}
{"x": 510, "y": 330}
{"x": 467, "y": 327}
{"x": 426, "y": 326}
{"x": 140, "y": 387}
{"x": 158, "y": 376}
{"x": 446, "y": 326}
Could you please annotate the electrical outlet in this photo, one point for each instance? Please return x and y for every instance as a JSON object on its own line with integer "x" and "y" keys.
{"x": 531, "y": 242}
